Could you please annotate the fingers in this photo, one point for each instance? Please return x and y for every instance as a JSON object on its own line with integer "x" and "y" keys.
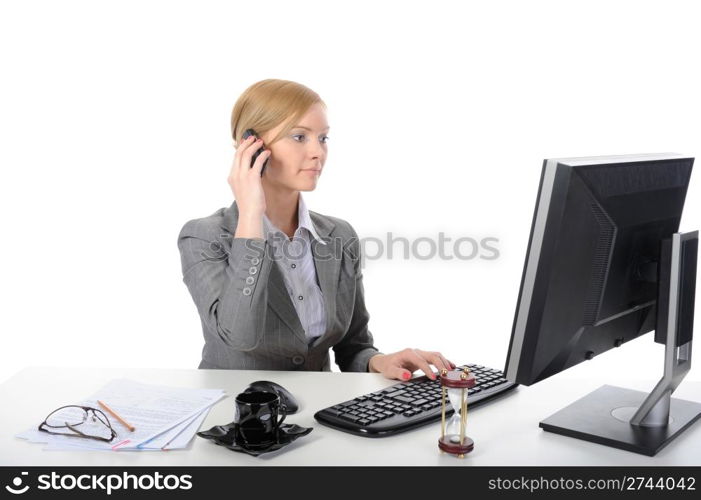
{"x": 260, "y": 161}
{"x": 390, "y": 365}
{"x": 240, "y": 149}
{"x": 397, "y": 372}
{"x": 436, "y": 359}
{"x": 236, "y": 166}
{"x": 245, "y": 152}
{"x": 421, "y": 362}
{"x": 250, "y": 149}
{"x": 401, "y": 364}
{"x": 447, "y": 365}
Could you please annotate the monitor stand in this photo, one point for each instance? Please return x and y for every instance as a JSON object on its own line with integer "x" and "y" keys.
{"x": 633, "y": 420}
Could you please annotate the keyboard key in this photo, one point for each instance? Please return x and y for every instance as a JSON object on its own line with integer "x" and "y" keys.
{"x": 420, "y": 402}
{"x": 404, "y": 399}
{"x": 363, "y": 421}
{"x": 352, "y": 418}
{"x": 394, "y": 394}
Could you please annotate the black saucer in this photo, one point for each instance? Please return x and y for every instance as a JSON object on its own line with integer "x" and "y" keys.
{"x": 223, "y": 435}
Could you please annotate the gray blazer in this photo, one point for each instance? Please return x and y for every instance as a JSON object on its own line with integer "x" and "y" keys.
{"x": 248, "y": 319}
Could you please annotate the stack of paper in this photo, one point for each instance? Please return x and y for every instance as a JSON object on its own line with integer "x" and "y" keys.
{"x": 165, "y": 418}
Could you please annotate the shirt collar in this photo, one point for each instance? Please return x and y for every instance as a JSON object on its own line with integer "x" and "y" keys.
{"x": 304, "y": 220}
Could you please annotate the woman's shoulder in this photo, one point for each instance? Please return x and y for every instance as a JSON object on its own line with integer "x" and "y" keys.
{"x": 208, "y": 227}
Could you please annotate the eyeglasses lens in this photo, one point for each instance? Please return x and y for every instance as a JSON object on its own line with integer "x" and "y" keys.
{"x": 70, "y": 419}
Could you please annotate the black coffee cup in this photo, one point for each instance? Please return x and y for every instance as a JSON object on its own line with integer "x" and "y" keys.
{"x": 256, "y": 416}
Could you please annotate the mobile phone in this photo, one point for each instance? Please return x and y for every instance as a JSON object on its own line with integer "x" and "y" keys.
{"x": 250, "y": 132}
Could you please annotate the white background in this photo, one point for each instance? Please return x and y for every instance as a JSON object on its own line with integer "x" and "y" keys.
{"x": 114, "y": 126}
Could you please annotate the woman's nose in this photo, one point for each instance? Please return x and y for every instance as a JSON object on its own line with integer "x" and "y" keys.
{"x": 317, "y": 149}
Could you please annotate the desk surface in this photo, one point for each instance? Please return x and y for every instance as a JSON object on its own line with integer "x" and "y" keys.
{"x": 505, "y": 431}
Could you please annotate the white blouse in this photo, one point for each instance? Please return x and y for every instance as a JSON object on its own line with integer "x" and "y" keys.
{"x": 295, "y": 260}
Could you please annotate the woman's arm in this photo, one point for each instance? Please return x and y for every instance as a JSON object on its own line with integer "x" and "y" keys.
{"x": 355, "y": 350}
{"x": 224, "y": 285}
{"x": 229, "y": 287}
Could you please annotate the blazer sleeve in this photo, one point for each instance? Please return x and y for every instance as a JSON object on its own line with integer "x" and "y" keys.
{"x": 227, "y": 283}
{"x": 354, "y": 351}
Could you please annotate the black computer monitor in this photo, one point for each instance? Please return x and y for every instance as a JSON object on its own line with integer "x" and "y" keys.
{"x": 592, "y": 281}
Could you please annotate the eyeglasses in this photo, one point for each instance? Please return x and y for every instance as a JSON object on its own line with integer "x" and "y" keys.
{"x": 79, "y": 421}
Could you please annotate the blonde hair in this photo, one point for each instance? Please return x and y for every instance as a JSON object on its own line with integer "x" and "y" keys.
{"x": 267, "y": 103}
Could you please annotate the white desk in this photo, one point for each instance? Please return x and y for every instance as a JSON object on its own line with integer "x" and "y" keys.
{"x": 506, "y": 432}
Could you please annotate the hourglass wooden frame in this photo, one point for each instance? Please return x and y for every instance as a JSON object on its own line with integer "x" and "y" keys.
{"x": 463, "y": 380}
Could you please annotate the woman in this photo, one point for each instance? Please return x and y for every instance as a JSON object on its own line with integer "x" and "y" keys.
{"x": 277, "y": 285}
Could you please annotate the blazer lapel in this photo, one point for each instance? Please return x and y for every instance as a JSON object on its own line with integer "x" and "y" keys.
{"x": 327, "y": 259}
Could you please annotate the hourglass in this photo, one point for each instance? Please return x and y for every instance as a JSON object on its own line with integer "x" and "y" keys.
{"x": 456, "y": 385}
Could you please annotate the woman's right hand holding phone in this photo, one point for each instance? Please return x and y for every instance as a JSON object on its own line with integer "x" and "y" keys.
{"x": 245, "y": 182}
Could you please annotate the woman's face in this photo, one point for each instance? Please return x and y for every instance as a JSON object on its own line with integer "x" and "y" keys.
{"x": 296, "y": 160}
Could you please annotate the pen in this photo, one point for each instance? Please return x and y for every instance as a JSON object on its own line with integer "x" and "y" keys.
{"x": 114, "y": 414}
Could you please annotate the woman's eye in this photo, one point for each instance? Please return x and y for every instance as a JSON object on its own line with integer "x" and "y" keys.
{"x": 324, "y": 139}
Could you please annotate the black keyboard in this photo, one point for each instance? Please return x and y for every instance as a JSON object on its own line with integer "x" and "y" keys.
{"x": 407, "y": 405}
